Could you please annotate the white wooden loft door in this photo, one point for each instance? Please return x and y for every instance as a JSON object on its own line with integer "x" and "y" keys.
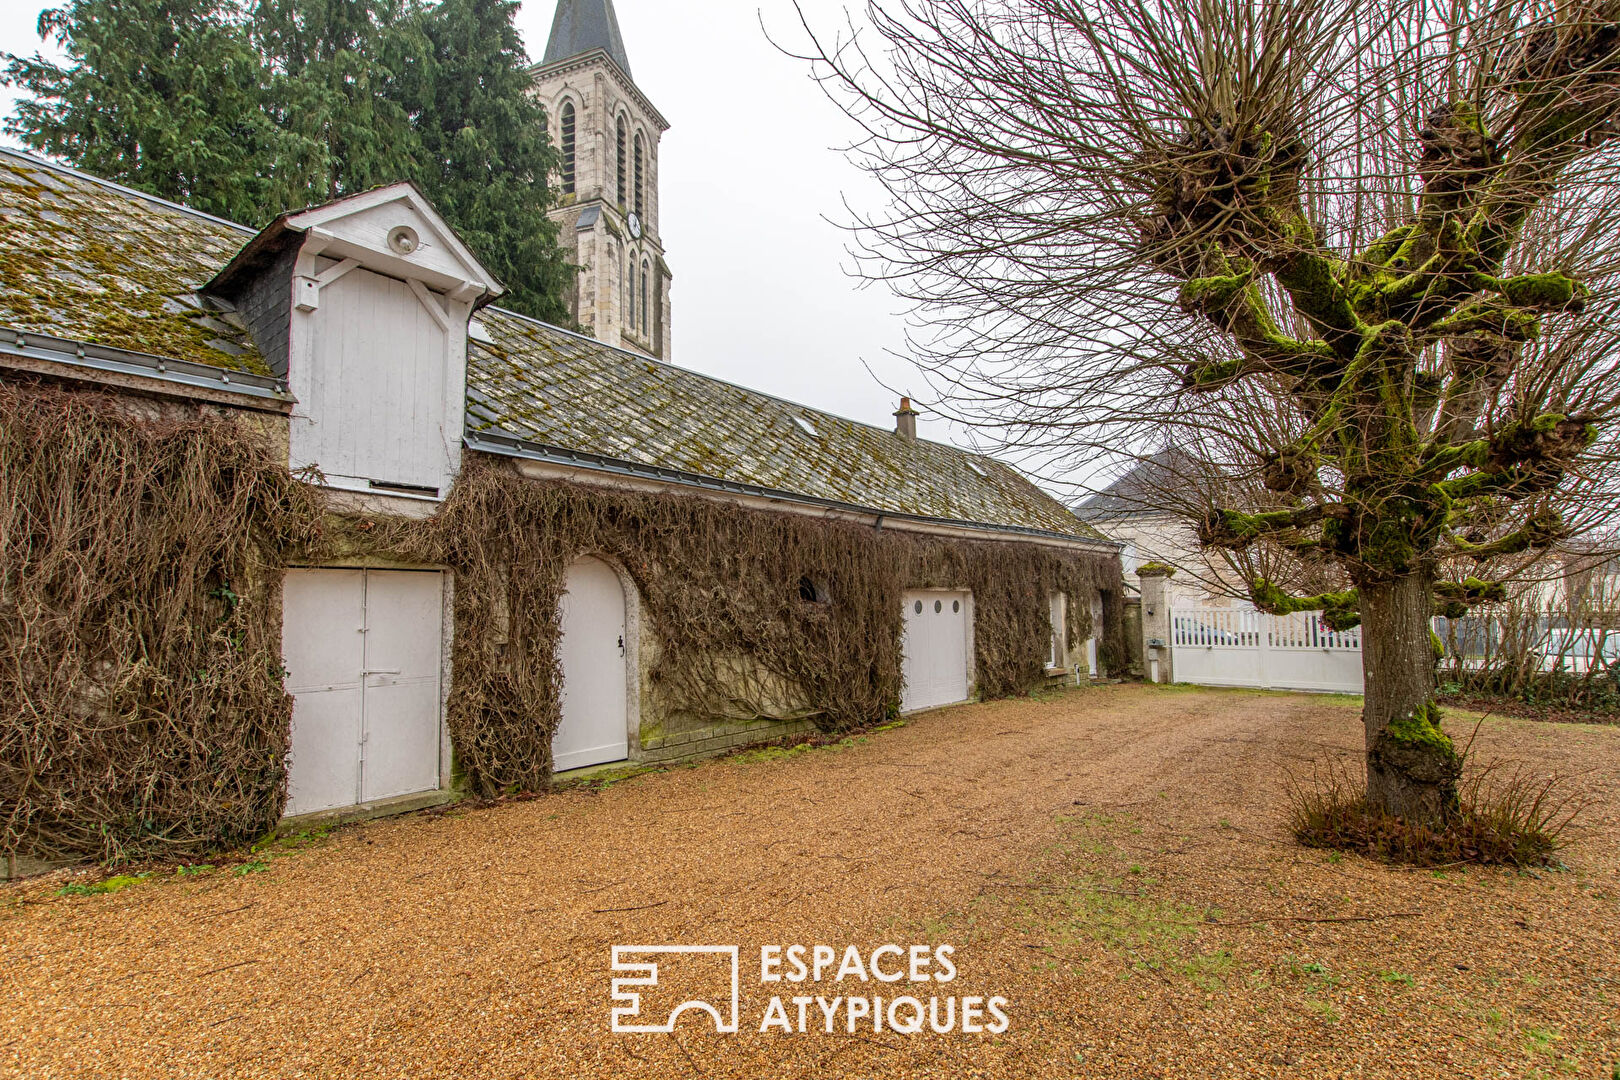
{"x": 935, "y": 657}
{"x": 363, "y": 650}
{"x": 377, "y": 397}
{"x": 595, "y": 692}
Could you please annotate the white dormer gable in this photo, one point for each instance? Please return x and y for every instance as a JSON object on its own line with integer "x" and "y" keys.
{"x": 381, "y": 294}
{"x": 368, "y": 227}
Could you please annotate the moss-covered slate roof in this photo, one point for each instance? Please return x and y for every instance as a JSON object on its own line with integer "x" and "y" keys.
{"x": 558, "y": 389}
{"x": 90, "y": 261}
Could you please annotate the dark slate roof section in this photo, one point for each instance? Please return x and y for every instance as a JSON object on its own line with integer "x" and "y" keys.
{"x": 582, "y": 25}
{"x": 86, "y": 260}
{"x": 1139, "y": 489}
{"x": 561, "y": 391}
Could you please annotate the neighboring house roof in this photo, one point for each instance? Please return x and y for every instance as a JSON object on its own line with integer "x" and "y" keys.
{"x": 1139, "y": 490}
{"x": 582, "y": 25}
{"x": 94, "y": 262}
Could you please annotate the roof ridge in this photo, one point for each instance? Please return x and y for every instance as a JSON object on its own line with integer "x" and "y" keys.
{"x": 736, "y": 385}
{"x": 101, "y": 181}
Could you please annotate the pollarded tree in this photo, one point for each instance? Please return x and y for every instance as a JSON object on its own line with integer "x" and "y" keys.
{"x": 1359, "y": 254}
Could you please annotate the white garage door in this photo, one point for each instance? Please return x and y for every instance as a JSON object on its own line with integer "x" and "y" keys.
{"x": 935, "y": 665}
{"x": 363, "y": 651}
{"x": 595, "y": 692}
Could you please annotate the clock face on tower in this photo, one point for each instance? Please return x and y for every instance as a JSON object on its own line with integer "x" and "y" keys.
{"x": 634, "y": 222}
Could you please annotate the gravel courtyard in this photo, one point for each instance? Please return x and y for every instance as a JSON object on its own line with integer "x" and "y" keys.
{"x": 1112, "y": 860}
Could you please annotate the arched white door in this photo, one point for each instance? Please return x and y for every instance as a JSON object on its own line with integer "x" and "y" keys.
{"x": 595, "y": 691}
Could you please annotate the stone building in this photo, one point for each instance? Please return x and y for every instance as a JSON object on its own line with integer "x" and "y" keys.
{"x": 608, "y": 133}
{"x": 475, "y": 549}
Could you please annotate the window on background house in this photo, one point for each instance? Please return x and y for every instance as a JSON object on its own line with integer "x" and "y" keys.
{"x": 619, "y": 190}
{"x": 1056, "y": 603}
{"x": 639, "y": 211}
{"x": 568, "y": 148}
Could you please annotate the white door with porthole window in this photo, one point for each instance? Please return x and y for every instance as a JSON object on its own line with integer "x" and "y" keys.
{"x": 935, "y": 655}
{"x": 364, "y": 654}
{"x": 595, "y": 725}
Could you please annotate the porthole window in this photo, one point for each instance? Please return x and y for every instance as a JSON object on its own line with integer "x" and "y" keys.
{"x": 938, "y": 607}
{"x": 956, "y": 606}
{"x": 812, "y": 591}
{"x": 917, "y": 607}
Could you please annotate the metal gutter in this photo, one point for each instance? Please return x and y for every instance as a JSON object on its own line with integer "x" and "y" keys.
{"x": 83, "y": 354}
{"x": 510, "y": 446}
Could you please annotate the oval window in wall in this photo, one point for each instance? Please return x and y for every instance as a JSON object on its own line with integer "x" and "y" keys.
{"x": 956, "y": 605}
{"x": 938, "y": 607}
{"x": 917, "y": 607}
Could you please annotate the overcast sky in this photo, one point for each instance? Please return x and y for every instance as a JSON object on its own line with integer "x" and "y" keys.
{"x": 749, "y": 168}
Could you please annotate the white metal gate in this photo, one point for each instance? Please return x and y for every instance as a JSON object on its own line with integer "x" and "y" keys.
{"x": 363, "y": 650}
{"x": 1243, "y": 647}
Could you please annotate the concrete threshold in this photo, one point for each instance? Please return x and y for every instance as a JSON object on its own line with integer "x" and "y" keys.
{"x": 399, "y": 804}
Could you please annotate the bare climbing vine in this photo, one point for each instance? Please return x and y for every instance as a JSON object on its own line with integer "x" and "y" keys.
{"x": 144, "y": 713}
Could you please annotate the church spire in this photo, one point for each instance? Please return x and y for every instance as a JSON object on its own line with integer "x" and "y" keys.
{"x": 583, "y": 25}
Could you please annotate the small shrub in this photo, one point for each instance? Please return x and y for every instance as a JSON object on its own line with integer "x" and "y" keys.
{"x": 1499, "y": 820}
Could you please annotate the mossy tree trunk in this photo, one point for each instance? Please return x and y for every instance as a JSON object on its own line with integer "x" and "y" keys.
{"x": 1412, "y": 768}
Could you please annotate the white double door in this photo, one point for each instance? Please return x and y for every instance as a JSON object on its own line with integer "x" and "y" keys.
{"x": 363, "y": 651}
{"x": 935, "y": 656}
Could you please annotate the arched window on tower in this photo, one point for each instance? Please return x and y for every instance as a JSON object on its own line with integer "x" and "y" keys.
{"x": 638, "y": 204}
{"x": 630, "y": 296}
{"x": 646, "y": 320}
{"x": 619, "y": 191}
{"x": 568, "y": 148}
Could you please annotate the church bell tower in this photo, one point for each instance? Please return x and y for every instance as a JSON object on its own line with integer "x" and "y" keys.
{"x": 608, "y": 133}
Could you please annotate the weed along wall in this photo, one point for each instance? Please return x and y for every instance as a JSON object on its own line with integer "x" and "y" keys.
{"x": 144, "y": 713}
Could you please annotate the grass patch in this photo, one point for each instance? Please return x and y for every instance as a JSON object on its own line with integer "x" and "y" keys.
{"x": 798, "y": 745}
{"x": 98, "y": 888}
{"x": 1499, "y": 820}
{"x": 1097, "y": 903}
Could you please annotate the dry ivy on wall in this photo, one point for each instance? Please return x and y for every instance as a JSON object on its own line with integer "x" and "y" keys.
{"x": 142, "y": 712}
{"x": 717, "y": 582}
{"x": 141, "y": 704}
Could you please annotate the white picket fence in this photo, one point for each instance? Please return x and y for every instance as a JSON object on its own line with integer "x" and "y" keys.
{"x": 1215, "y": 646}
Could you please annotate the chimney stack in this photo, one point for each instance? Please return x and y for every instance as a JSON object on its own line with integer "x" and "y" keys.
{"x": 905, "y": 420}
